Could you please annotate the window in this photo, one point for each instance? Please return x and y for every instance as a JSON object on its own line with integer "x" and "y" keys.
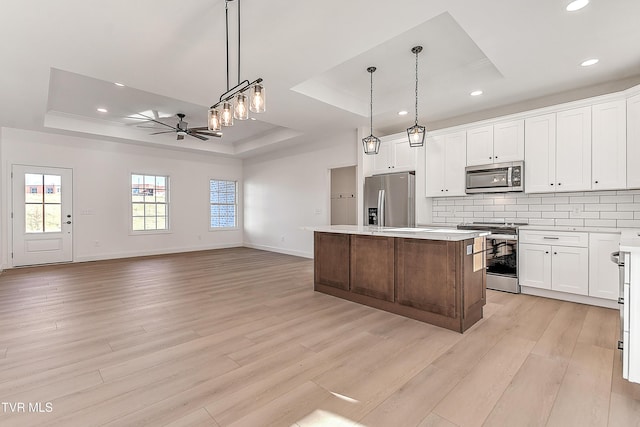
{"x": 43, "y": 210}
{"x": 149, "y": 202}
{"x": 222, "y": 197}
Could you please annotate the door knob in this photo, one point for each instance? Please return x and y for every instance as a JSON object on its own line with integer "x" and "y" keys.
{"x": 68, "y": 222}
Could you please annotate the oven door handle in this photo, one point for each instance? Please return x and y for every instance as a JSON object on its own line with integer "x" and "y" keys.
{"x": 503, "y": 236}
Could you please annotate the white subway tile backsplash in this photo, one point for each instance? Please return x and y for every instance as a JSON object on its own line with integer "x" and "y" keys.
{"x": 616, "y": 199}
{"x": 584, "y": 199}
{"x": 600, "y": 207}
{"x": 600, "y": 223}
{"x": 616, "y": 215}
{"x": 582, "y": 214}
{"x": 555, "y": 215}
{"x": 529, "y": 214}
{"x": 555, "y": 200}
{"x": 634, "y": 207}
{"x": 542, "y": 208}
{"x": 530, "y": 201}
{"x": 483, "y": 202}
{"x": 516, "y": 208}
{"x": 577, "y": 209}
{"x": 633, "y": 223}
{"x": 570, "y": 222}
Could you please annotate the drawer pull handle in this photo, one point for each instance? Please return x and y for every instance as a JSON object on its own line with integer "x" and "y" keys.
{"x": 551, "y": 238}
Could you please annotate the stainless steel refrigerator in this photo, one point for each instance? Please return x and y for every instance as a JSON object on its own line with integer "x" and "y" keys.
{"x": 390, "y": 200}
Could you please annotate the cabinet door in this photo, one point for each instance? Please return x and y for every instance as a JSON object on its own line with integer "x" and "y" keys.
{"x": 455, "y": 161}
{"x": 633, "y": 142}
{"x": 573, "y": 150}
{"x": 403, "y": 155}
{"x": 382, "y": 160}
{"x": 508, "y": 141}
{"x": 540, "y": 151}
{"x": 603, "y": 274}
{"x": 435, "y": 166}
{"x": 535, "y": 265}
{"x": 570, "y": 270}
{"x": 609, "y": 146}
{"x": 480, "y": 146}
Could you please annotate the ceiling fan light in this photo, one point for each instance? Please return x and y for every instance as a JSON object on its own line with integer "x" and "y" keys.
{"x": 240, "y": 110}
{"x": 227, "y": 114}
{"x": 416, "y": 135}
{"x": 257, "y": 98}
{"x": 371, "y": 144}
{"x": 213, "y": 122}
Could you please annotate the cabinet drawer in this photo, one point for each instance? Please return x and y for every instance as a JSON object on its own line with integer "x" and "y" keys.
{"x": 556, "y": 238}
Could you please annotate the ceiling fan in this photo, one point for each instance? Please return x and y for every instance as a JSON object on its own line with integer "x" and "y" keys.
{"x": 181, "y": 129}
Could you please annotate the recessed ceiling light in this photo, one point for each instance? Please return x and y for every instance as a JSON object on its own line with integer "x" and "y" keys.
{"x": 403, "y": 113}
{"x": 589, "y": 62}
{"x": 118, "y": 84}
{"x": 102, "y": 110}
{"x": 476, "y": 93}
{"x": 577, "y": 5}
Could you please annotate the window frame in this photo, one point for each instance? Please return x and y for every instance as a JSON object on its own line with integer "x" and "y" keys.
{"x": 236, "y": 204}
{"x": 167, "y": 204}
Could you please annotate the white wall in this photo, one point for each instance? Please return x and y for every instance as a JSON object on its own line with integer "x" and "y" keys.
{"x": 101, "y": 193}
{"x": 289, "y": 190}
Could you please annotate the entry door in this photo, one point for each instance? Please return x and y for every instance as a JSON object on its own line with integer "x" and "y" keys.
{"x": 42, "y": 207}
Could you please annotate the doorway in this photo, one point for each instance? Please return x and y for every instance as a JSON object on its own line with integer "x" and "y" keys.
{"x": 344, "y": 196}
{"x": 41, "y": 215}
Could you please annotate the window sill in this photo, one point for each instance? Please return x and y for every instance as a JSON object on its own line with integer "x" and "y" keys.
{"x": 224, "y": 228}
{"x": 148, "y": 232}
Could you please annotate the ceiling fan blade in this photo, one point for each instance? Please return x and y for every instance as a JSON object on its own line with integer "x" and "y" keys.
{"x": 180, "y": 137}
{"x": 215, "y": 134}
{"x": 146, "y": 118}
{"x": 199, "y": 128}
{"x": 164, "y": 131}
{"x": 195, "y": 135}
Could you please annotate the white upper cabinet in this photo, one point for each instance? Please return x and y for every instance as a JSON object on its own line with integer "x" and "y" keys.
{"x": 503, "y": 142}
{"x": 573, "y": 150}
{"x": 540, "y": 150}
{"x": 395, "y": 155}
{"x": 446, "y": 160}
{"x": 633, "y": 142}
{"x": 609, "y": 146}
{"x": 480, "y": 146}
{"x": 558, "y": 151}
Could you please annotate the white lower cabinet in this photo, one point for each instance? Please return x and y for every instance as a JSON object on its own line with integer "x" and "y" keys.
{"x": 557, "y": 268}
{"x": 577, "y": 263}
{"x": 603, "y": 274}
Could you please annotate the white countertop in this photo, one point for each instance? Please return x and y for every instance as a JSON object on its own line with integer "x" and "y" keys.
{"x": 630, "y": 241}
{"x": 402, "y": 232}
{"x": 569, "y": 228}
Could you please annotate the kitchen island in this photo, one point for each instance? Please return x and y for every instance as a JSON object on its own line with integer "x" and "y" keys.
{"x": 433, "y": 275}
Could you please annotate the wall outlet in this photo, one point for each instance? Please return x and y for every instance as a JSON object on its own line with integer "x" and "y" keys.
{"x": 282, "y": 238}
{"x": 577, "y": 209}
{"x": 96, "y": 243}
{"x": 318, "y": 211}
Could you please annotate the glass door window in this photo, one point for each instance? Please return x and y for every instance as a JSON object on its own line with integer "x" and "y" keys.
{"x": 43, "y": 203}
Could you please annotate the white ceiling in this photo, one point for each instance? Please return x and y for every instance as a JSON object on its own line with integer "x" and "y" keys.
{"x": 60, "y": 59}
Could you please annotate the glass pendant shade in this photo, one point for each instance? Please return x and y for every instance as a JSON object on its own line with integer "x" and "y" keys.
{"x": 257, "y": 98}
{"x": 240, "y": 110}
{"x": 416, "y": 135}
{"x": 227, "y": 114}
{"x": 213, "y": 122}
{"x": 371, "y": 144}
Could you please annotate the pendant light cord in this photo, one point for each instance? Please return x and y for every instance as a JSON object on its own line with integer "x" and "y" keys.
{"x": 371, "y": 103}
{"x": 226, "y": 32}
{"x": 238, "y": 41}
{"x": 417, "y": 88}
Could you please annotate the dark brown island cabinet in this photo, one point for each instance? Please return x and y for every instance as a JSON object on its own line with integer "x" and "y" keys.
{"x": 441, "y": 282}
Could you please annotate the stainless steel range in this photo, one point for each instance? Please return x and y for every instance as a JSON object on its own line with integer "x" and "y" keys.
{"x": 502, "y": 254}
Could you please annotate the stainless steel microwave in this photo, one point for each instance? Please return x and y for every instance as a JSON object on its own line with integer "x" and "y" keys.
{"x": 495, "y": 178}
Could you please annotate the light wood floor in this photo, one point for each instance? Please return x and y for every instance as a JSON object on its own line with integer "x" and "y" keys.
{"x": 238, "y": 337}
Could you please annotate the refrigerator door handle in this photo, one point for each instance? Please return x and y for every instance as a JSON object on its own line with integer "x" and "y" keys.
{"x": 381, "y": 219}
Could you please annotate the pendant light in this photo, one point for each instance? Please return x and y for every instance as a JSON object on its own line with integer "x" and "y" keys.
{"x": 371, "y": 143}
{"x": 416, "y": 132}
{"x": 234, "y": 103}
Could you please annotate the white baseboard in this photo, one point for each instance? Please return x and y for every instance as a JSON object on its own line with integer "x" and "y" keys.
{"x": 163, "y": 251}
{"x": 581, "y": 299}
{"x": 279, "y": 250}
